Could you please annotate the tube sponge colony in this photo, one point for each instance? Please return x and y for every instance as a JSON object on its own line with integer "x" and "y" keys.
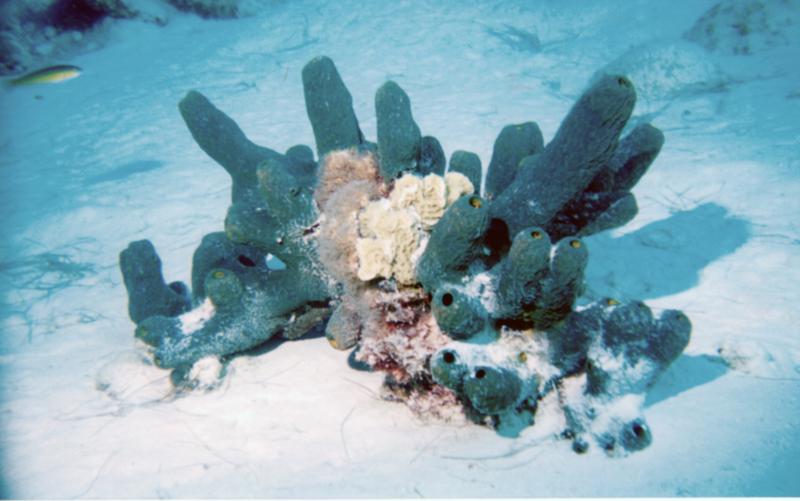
{"x": 466, "y": 302}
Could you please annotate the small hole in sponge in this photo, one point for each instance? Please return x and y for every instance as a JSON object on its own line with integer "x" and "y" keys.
{"x": 480, "y": 374}
{"x": 475, "y": 202}
{"x": 580, "y": 446}
{"x": 638, "y": 430}
{"x": 447, "y": 299}
{"x": 623, "y": 81}
{"x": 448, "y": 357}
{"x": 536, "y": 234}
{"x": 575, "y": 244}
{"x": 246, "y": 261}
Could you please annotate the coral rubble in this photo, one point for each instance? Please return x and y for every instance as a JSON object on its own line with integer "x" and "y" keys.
{"x": 467, "y": 303}
{"x": 746, "y": 27}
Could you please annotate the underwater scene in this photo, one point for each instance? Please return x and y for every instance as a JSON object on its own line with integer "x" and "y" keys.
{"x": 409, "y": 248}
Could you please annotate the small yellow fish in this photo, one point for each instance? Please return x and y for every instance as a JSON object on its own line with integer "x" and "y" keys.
{"x": 51, "y": 74}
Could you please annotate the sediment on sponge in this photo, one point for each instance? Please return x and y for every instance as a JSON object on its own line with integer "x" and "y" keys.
{"x": 466, "y": 303}
{"x": 622, "y": 350}
{"x": 235, "y": 318}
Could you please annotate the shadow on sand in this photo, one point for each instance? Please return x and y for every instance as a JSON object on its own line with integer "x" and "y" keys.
{"x": 125, "y": 170}
{"x": 665, "y": 257}
{"x": 687, "y": 372}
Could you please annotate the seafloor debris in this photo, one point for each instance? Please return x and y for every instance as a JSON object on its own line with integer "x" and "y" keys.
{"x": 463, "y": 301}
{"x": 746, "y": 27}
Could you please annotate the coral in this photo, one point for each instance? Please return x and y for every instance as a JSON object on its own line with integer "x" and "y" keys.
{"x": 616, "y": 352}
{"x": 217, "y": 251}
{"x": 536, "y": 285}
{"x": 341, "y": 167}
{"x": 393, "y": 229}
{"x": 148, "y": 294}
{"x": 375, "y": 258}
{"x": 344, "y": 327}
{"x": 515, "y": 143}
{"x": 580, "y": 150}
{"x": 431, "y": 156}
{"x": 456, "y": 243}
{"x": 236, "y": 317}
{"x": 467, "y": 164}
{"x": 330, "y": 107}
{"x": 401, "y": 335}
{"x": 399, "y": 138}
{"x": 338, "y": 232}
{"x": 600, "y": 361}
{"x": 273, "y": 212}
{"x": 431, "y": 200}
{"x": 468, "y": 304}
{"x": 458, "y": 185}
